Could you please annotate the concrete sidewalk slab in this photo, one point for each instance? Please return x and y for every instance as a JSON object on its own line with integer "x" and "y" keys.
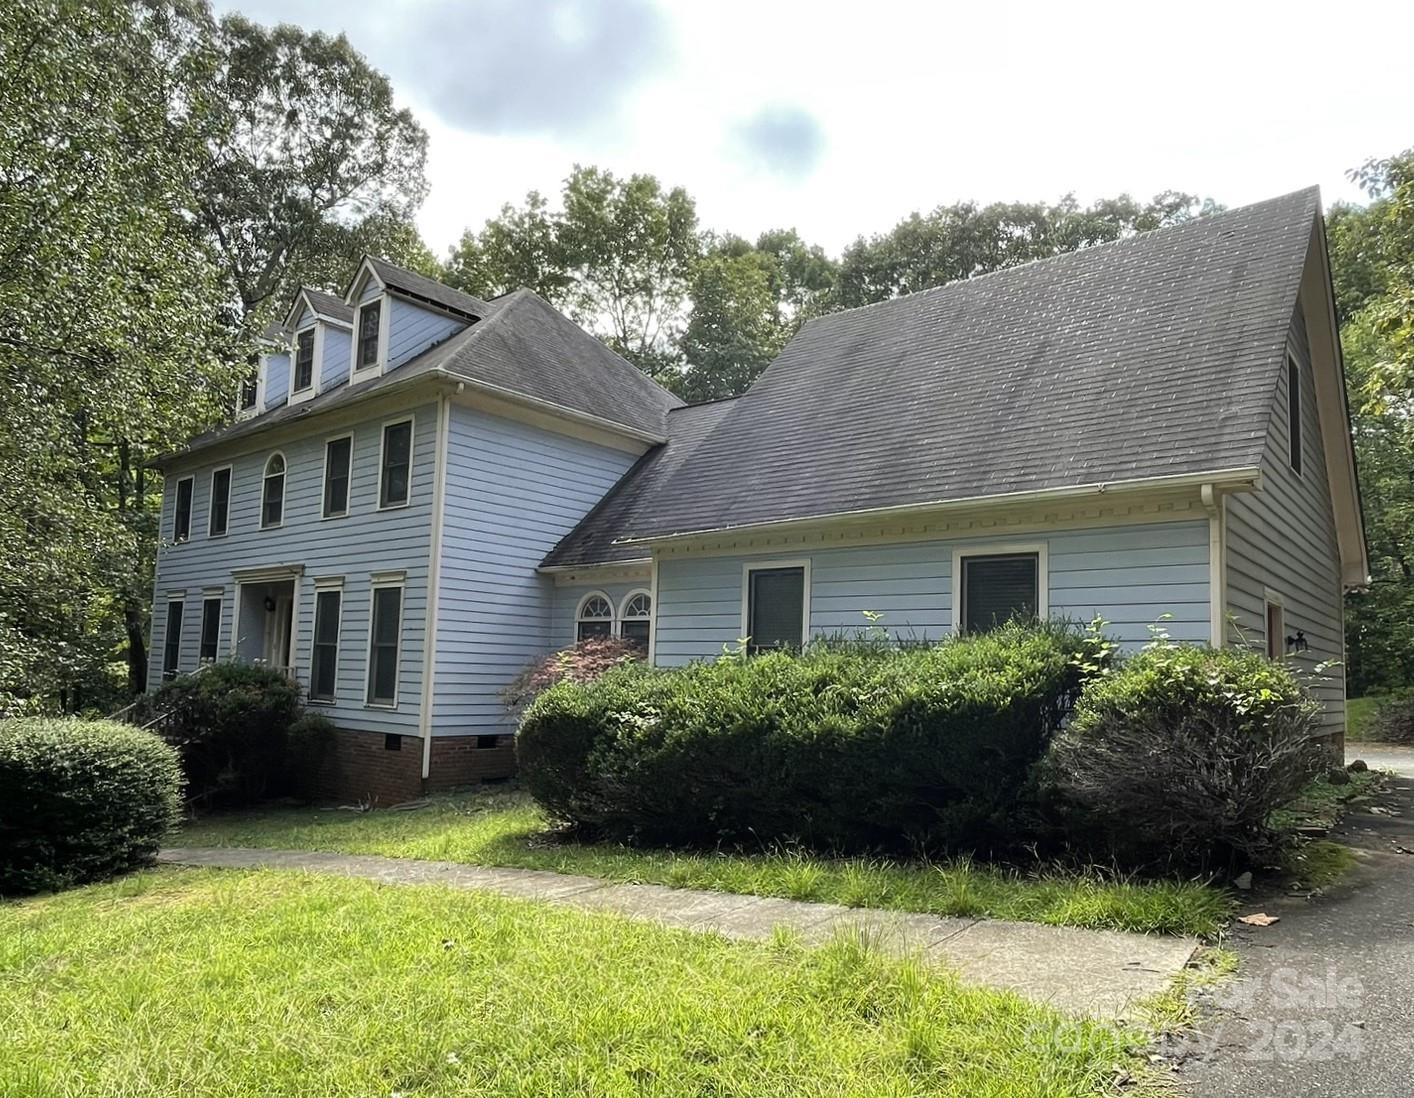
{"x": 1099, "y": 973}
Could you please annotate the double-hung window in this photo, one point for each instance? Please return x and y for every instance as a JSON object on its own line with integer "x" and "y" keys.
{"x": 636, "y": 619}
{"x": 385, "y": 634}
{"x": 272, "y": 493}
{"x": 595, "y": 618}
{"x": 172, "y": 640}
{"x": 210, "y": 629}
{"x": 304, "y": 360}
{"x": 181, "y": 515}
{"x": 395, "y": 467}
{"x": 369, "y": 318}
{"x": 220, "y": 502}
{"x": 324, "y": 666}
{"x": 776, "y": 601}
{"x": 997, "y": 588}
{"x": 338, "y": 453}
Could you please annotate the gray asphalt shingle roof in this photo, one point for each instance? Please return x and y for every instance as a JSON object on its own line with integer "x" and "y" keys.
{"x": 416, "y": 285}
{"x": 328, "y": 304}
{"x": 1152, "y": 356}
{"x": 523, "y": 347}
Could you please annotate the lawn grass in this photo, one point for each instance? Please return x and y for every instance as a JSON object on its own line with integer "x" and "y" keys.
{"x": 1359, "y": 716}
{"x": 240, "y": 983}
{"x": 506, "y": 829}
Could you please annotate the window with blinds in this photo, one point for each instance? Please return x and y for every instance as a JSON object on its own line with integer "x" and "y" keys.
{"x": 775, "y": 609}
{"x": 996, "y": 589}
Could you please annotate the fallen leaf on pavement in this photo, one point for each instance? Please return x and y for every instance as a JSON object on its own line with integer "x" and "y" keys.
{"x": 1261, "y": 918}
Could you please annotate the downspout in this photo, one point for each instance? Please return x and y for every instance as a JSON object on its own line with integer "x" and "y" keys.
{"x": 434, "y": 582}
{"x": 1217, "y": 565}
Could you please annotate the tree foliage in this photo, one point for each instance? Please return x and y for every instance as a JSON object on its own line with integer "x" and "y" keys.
{"x": 966, "y": 239}
{"x": 113, "y": 329}
{"x": 309, "y": 161}
{"x": 1372, "y": 264}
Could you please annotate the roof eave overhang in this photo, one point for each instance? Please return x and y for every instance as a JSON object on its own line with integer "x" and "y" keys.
{"x": 1248, "y": 478}
{"x": 443, "y": 381}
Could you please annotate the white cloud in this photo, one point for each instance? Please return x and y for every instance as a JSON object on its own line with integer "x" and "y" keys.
{"x": 916, "y": 104}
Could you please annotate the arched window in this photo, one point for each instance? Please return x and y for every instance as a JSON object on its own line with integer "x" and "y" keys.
{"x": 636, "y": 618}
{"x": 595, "y": 617}
{"x": 272, "y": 497}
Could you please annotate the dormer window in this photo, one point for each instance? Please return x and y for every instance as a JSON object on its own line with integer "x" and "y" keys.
{"x": 250, "y": 388}
{"x": 369, "y": 320}
{"x": 304, "y": 360}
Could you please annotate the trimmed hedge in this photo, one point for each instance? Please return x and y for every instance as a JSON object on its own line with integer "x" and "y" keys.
{"x": 81, "y": 801}
{"x": 1178, "y": 759}
{"x": 845, "y": 747}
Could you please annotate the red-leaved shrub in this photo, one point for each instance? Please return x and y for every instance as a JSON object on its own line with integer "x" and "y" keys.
{"x": 581, "y": 662}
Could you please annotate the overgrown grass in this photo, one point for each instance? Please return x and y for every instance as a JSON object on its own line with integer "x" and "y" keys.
{"x": 1322, "y": 804}
{"x": 1173, "y": 1008}
{"x": 506, "y": 829}
{"x": 236, "y": 983}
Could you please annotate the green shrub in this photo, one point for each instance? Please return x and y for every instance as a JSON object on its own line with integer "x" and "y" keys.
{"x": 231, "y": 722}
{"x": 80, "y": 801}
{"x": 1178, "y": 759}
{"x": 1393, "y": 721}
{"x": 851, "y": 747}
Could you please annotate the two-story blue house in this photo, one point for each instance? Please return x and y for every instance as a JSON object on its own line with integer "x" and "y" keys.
{"x": 422, "y": 491}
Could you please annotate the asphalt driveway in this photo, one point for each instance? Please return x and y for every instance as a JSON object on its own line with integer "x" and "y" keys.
{"x": 1324, "y": 1003}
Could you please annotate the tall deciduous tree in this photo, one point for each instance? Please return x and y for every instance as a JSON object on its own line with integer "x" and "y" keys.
{"x": 112, "y": 324}
{"x": 310, "y": 162}
{"x": 617, "y": 256}
{"x": 1372, "y": 262}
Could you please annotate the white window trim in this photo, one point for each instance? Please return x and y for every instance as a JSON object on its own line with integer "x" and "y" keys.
{"x": 359, "y": 373}
{"x": 412, "y": 458}
{"x": 211, "y": 499}
{"x": 1271, "y": 599}
{"x": 191, "y": 507}
{"x": 983, "y": 549}
{"x": 324, "y": 479}
{"x": 579, "y": 617}
{"x": 323, "y": 584}
{"x": 298, "y": 396}
{"x": 220, "y": 599}
{"x": 766, "y": 566}
{"x": 265, "y": 475}
{"x": 259, "y": 405}
{"x": 622, "y": 614}
{"x": 377, "y": 583}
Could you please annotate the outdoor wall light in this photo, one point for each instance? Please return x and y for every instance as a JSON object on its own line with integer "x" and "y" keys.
{"x": 1298, "y": 643}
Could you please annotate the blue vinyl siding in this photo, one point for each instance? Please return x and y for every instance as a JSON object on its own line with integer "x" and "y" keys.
{"x": 1283, "y": 538}
{"x": 568, "y": 596}
{"x": 1130, "y": 575}
{"x": 367, "y": 541}
{"x": 513, "y": 490}
{"x": 277, "y": 380}
{"x": 414, "y": 330}
{"x": 338, "y": 348}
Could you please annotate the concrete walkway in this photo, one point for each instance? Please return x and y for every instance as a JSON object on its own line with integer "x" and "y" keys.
{"x": 1100, "y": 973}
{"x": 1383, "y": 756}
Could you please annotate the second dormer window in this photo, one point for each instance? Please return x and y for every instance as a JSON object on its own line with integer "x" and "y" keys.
{"x": 250, "y": 389}
{"x": 304, "y": 360}
{"x": 368, "y": 319}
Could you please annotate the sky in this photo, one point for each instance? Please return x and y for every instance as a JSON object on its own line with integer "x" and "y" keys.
{"x": 840, "y": 119}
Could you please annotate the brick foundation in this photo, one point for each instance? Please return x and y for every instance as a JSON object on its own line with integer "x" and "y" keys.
{"x": 361, "y": 768}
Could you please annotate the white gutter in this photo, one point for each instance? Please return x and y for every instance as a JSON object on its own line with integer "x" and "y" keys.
{"x": 1249, "y": 478}
{"x": 434, "y": 577}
